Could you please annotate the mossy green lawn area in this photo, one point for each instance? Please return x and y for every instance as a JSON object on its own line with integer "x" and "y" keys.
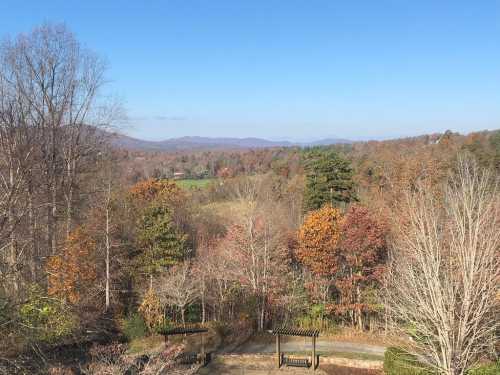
{"x": 189, "y": 183}
{"x": 400, "y": 362}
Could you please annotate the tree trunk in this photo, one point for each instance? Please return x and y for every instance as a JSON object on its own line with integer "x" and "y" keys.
{"x": 69, "y": 210}
{"x": 32, "y": 224}
{"x": 261, "y": 322}
{"x": 358, "y": 308}
{"x": 108, "y": 249}
{"x": 51, "y": 218}
{"x": 203, "y": 312}
{"x": 52, "y": 193}
{"x": 12, "y": 237}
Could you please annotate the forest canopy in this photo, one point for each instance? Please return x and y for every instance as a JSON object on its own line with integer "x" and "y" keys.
{"x": 97, "y": 241}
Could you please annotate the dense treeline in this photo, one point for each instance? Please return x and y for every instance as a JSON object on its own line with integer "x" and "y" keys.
{"x": 369, "y": 156}
{"x": 97, "y": 240}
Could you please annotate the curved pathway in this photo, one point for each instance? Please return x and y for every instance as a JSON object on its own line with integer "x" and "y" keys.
{"x": 300, "y": 345}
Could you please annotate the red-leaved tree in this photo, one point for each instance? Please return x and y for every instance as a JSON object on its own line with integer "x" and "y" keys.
{"x": 361, "y": 256}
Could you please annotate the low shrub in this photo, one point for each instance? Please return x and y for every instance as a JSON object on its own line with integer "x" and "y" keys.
{"x": 151, "y": 310}
{"x": 317, "y": 318}
{"x": 221, "y": 329}
{"x": 492, "y": 369}
{"x": 45, "y": 319}
{"x": 107, "y": 353}
{"x": 399, "y": 362}
{"x": 134, "y": 327}
{"x": 162, "y": 326}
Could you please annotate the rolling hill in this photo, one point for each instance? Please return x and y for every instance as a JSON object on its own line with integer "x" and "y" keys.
{"x": 208, "y": 143}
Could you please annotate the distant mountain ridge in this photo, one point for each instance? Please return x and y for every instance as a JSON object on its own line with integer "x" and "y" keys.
{"x": 209, "y": 143}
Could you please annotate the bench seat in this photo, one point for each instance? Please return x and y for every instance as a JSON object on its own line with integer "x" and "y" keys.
{"x": 296, "y": 362}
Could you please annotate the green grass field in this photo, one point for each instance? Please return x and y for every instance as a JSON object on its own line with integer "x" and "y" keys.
{"x": 195, "y": 184}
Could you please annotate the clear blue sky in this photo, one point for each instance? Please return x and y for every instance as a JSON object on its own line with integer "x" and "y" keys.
{"x": 289, "y": 69}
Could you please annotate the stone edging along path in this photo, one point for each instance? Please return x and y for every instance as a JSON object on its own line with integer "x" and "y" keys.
{"x": 333, "y": 360}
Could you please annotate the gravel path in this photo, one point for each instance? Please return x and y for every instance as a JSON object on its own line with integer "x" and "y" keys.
{"x": 300, "y": 345}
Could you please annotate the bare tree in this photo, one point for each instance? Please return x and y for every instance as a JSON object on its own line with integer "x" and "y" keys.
{"x": 178, "y": 287}
{"x": 17, "y": 144}
{"x": 255, "y": 245}
{"x": 59, "y": 81}
{"x": 445, "y": 270}
{"x": 50, "y": 110}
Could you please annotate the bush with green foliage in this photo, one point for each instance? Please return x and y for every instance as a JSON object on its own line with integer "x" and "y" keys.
{"x": 492, "y": 369}
{"x": 163, "y": 326}
{"x": 6, "y": 312}
{"x": 316, "y": 318}
{"x": 134, "y": 327}
{"x": 399, "y": 362}
{"x": 45, "y": 319}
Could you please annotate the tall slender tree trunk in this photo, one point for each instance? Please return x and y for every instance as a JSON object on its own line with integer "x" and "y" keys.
{"x": 33, "y": 237}
{"x": 12, "y": 235}
{"x": 71, "y": 170}
{"x": 53, "y": 187}
{"x": 69, "y": 210}
{"x": 203, "y": 308}
{"x": 53, "y": 214}
{"x": 358, "y": 308}
{"x": 262, "y": 314}
{"x": 108, "y": 249}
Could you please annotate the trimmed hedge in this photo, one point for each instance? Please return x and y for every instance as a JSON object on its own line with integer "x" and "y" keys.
{"x": 399, "y": 362}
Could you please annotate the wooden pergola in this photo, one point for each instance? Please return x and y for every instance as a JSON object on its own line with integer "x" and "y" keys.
{"x": 187, "y": 330}
{"x": 285, "y": 331}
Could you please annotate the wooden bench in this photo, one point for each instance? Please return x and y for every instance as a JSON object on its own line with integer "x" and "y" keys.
{"x": 295, "y": 362}
{"x": 187, "y": 358}
{"x": 192, "y": 358}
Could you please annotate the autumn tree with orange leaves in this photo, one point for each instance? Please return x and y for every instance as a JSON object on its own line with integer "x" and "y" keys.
{"x": 317, "y": 250}
{"x": 73, "y": 272}
{"x": 318, "y": 240}
{"x": 348, "y": 253}
{"x": 154, "y": 189}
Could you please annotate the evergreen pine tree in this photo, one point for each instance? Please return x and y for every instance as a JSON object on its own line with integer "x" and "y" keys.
{"x": 328, "y": 180}
{"x": 161, "y": 242}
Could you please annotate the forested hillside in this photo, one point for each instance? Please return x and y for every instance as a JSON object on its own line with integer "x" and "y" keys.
{"x": 101, "y": 244}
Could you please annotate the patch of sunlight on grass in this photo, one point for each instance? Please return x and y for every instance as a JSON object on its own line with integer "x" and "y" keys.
{"x": 146, "y": 344}
{"x": 194, "y": 184}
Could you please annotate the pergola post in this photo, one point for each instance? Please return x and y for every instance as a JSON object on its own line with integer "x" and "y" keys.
{"x": 278, "y": 350}
{"x": 166, "y": 332}
{"x": 202, "y": 349}
{"x": 313, "y": 353}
